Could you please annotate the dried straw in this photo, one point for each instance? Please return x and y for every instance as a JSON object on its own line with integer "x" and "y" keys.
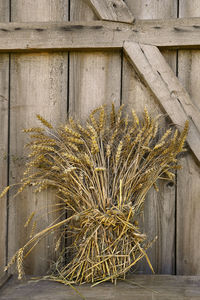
{"x": 101, "y": 172}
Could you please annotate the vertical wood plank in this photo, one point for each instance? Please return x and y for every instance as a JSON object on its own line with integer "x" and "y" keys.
{"x": 38, "y": 85}
{"x": 4, "y": 106}
{"x": 153, "y": 9}
{"x": 188, "y": 192}
{"x": 159, "y": 208}
{"x": 95, "y": 77}
{"x": 39, "y": 10}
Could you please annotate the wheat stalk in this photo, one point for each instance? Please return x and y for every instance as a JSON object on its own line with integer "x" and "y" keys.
{"x": 101, "y": 172}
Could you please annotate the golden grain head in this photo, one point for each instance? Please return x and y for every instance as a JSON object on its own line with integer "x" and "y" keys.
{"x": 20, "y": 263}
{"x": 29, "y": 219}
{"x": 135, "y": 117}
{"x": 4, "y": 192}
{"x": 44, "y": 122}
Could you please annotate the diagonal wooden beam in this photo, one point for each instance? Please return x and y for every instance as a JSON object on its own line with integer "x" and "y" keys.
{"x": 158, "y": 76}
{"x": 112, "y": 10}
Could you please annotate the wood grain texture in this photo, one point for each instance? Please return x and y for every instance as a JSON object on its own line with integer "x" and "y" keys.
{"x": 40, "y": 36}
{"x": 154, "y": 70}
{"x": 39, "y": 11}
{"x": 147, "y": 9}
{"x": 139, "y": 287}
{"x": 38, "y": 85}
{"x": 4, "y": 85}
{"x": 159, "y": 208}
{"x": 4, "y": 106}
{"x": 4, "y": 279}
{"x": 91, "y": 74}
{"x": 188, "y": 189}
{"x": 94, "y": 76}
{"x": 115, "y": 10}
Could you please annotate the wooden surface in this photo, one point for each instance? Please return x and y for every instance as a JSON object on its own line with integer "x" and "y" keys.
{"x": 4, "y": 279}
{"x": 154, "y": 70}
{"x": 38, "y": 85}
{"x": 40, "y": 36}
{"x": 188, "y": 189}
{"x": 116, "y": 10}
{"x": 159, "y": 9}
{"x": 142, "y": 287}
{"x": 4, "y": 106}
{"x": 95, "y": 78}
{"x": 159, "y": 207}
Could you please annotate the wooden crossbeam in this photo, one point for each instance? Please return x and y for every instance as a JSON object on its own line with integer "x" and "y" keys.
{"x": 183, "y": 33}
{"x": 62, "y": 36}
{"x": 156, "y": 73}
{"x": 115, "y": 10}
{"x": 173, "y": 33}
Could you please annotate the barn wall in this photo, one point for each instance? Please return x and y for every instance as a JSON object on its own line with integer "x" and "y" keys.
{"x": 59, "y": 83}
{"x": 188, "y": 187}
{"x": 159, "y": 207}
{"x": 4, "y": 108}
{"x": 38, "y": 85}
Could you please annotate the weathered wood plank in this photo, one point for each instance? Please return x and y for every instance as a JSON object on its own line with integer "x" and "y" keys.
{"x": 157, "y": 74}
{"x": 188, "y": 185}
{"x": 159, "y": 207}
{"x": 154, "y": 9}
{"x": 57, "y": 36}
{"x": 94, "y": 77}
{"x": 142, "y": 287}
{"x": 115, "y": 10}
{"x": 39, "y": 11}
{"x": 79, "y": 10}
{"x": 4, "y": 100}
{"x": 4, "y": 279}
{"x": 94, "y": 80}
{"x": 170, "y": 33}
{"x": 38, "y": 85}
{"x": 4, "y": 107}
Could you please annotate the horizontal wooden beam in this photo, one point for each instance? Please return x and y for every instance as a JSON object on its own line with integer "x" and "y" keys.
{"x": 158, "y": 76}
{"x": 183, "y": 33}
{"x": 172, "y": 33}
{"x": 61, "y": 36}
{"x": 112, "y": 10}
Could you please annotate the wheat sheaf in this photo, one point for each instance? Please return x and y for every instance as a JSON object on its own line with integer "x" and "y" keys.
{"x": 101, "y": 172}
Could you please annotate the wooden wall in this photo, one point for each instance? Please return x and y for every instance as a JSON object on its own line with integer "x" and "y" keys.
{"x": 188, "y": 187}
{"x": 76, "y": 82}
{"x": 160, "y": 206}
{"x": 4, "y": 108}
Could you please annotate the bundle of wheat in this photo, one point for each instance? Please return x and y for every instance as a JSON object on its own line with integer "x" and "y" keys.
{"x": 101, "y": 172}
